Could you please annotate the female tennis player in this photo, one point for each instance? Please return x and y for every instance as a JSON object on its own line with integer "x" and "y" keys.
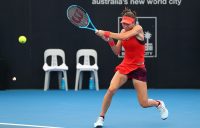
{"x": 132, "y": 67}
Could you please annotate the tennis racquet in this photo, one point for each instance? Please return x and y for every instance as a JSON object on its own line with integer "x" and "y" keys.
{"x": 80, "y": 18}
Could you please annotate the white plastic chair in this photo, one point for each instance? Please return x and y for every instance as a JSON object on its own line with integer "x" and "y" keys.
{"x": 86, "y": 66}
{"x": 54, "y": 53}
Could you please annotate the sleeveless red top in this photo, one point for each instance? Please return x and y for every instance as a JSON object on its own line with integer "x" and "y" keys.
{"x": 134, "y": 56}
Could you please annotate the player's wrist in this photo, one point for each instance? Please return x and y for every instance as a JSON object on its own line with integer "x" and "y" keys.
{"x": 111, "y": 43}
{"x": 107, "y": 34}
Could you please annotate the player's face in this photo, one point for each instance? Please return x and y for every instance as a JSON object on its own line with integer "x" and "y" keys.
{"x": 127, "y": 26}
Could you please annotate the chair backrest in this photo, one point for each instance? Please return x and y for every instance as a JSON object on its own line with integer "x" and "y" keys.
{"x": 86, "y": 53}
{"x": 54, "y": 53}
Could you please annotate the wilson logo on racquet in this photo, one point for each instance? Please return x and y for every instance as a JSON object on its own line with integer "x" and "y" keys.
{"x": 78, "y": 16}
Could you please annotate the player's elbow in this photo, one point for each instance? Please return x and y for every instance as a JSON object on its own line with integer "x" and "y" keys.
{"x": 117, "y": 53}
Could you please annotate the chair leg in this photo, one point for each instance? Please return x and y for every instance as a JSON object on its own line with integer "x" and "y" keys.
{"x": 59, "y": 79}
{"x": 96, "y": 80}
{"x": 80, "y": 79}
{"x": 47, "y": 80}
{"x": 77, "y": 79}
{"x": 66, "y": 81}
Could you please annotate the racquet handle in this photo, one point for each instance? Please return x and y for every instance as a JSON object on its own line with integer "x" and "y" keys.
{"x": 96, "y": 31}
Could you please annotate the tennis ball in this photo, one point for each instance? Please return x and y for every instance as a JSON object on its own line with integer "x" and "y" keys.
{"x": 22, "y": 39}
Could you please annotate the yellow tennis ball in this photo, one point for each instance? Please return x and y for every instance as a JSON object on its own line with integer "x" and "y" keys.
{"x": 22, "y": 39}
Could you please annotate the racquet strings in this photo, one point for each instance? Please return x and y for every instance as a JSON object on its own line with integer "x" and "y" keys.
{"x": 77, "y": 16}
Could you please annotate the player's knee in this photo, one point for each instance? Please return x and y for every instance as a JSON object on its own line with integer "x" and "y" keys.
{"x": 144, "y": 104}
{"x": 112, "y": 91}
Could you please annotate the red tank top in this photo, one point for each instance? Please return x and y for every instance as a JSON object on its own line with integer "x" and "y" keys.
{"x": 134, "y": 56}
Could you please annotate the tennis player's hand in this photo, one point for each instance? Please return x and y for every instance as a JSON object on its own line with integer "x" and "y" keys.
{"x": 100, "y": 33}
{"x": 107, "y": 39}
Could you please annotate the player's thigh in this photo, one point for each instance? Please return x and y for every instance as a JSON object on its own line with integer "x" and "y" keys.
{"x": 117, "y": 81}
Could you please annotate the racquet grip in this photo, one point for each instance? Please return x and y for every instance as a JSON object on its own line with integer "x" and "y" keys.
{"x": 96, "y": 31}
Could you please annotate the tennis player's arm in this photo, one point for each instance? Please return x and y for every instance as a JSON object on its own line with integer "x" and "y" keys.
{"x": 117, "y": 48}
{"x": 123, "y": 36}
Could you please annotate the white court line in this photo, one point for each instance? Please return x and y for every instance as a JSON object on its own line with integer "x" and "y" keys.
{"x": 27, "y": 125}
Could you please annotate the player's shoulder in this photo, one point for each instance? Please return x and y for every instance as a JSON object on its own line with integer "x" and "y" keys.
{"x": 138, "y": 26}
{"x": 122, "y": 31}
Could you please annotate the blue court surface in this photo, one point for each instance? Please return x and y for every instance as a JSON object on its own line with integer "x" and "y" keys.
{"x": 79, "y": 109}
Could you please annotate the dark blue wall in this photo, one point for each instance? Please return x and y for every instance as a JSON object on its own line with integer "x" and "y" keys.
{"x": 45, "y": 24}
